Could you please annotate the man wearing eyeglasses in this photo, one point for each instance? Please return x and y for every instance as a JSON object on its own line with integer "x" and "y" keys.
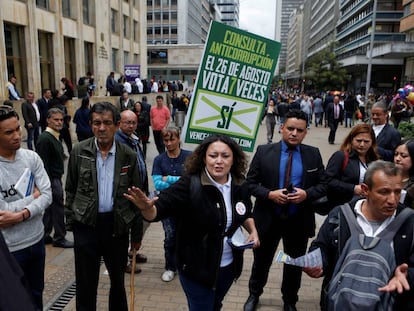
{"x": 125, "y": 135}
{"x": 24, "y": 195}
{"x": 100, "y": 171}
{"x": 285, "y": 178}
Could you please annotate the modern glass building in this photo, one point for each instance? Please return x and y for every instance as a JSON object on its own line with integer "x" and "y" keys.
{"x": 177, "y": 21}
{"x": 288, "y": 6}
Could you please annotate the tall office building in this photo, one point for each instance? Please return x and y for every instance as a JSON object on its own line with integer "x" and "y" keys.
{"x": 402, "y": 50}
{"x": 43, "y": 41}
{"x": 354, "y": 34}
{"x": 288, "y": 6}
{"x": 320, "y": 25}
{"x": 230, "y": 10}
{"x": 177, "y": 21}
{"x": 295, "y": 40}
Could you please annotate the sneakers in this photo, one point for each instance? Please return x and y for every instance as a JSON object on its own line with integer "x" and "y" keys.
{"x": 168, "y": 276}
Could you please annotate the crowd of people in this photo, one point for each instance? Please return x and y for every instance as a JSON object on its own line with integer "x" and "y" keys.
{"x": 202, "y": 197}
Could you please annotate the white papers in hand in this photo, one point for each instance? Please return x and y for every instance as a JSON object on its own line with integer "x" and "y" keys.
{"x": 25, "y": 185}
{"x": 239, "y": 239}
{"x": 312, "y": 259}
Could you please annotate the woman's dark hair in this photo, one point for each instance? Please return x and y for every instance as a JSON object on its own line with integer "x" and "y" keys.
{"x": 362, "y": 128}
{"x": 410, "y": 147}
{"x": 195, "y": 162}
{"x": 137, "y": 102}
{"x": 85, "y": 102}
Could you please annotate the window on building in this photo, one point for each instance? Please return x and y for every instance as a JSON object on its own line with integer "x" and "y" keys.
{"x": 15, "y": 55}
{"x": 136, "y": 31}
{"x": 44, "y": 4}
{"x": 70, "y": 58}
{"x": 165, "y": 30}
{"x": 158, "y": 57}
{"x": 157, "y": 30}
{"x": 114, "y": 21}
{"x": 66, "y": 8}
{"x": 149, "y": 2}
{"x": 149, "y": 16}
{"x": 149, "y": 31}
{"x": 114, "y": 60}
{"x": 165, "y": 16}
{"x": 88, "y": 47}
{"x": 136, "y": 59}
{"x": 126, "y": 26}
{"x": 126, "y": 57}
{"x": 46, "y": 60}
{"x": 173, "y": 2}
{"x": 88, "y": 12}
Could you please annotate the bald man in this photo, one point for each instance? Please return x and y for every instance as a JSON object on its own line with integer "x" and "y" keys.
{"x": 126, "y": 135}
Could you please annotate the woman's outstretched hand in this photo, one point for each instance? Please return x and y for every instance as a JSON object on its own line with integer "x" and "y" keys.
{"x": 144, "y": 203}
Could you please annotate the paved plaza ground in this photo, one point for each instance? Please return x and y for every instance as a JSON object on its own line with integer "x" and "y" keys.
{"x": 153, "y": 294}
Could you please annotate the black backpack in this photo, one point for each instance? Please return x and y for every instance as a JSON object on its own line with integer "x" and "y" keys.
{"x": 365, "y": 264}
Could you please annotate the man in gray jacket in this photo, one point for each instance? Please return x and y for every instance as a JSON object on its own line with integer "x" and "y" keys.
{"x": 24, "y": 195}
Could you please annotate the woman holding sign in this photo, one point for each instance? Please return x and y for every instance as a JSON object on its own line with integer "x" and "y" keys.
{"x": 210, "y": 202}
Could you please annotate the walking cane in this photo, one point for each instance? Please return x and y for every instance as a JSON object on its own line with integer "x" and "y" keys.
{"x": 131, "y": 280}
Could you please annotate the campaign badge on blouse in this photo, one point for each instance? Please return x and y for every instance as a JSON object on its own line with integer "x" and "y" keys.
{"x": 240, "y": 208}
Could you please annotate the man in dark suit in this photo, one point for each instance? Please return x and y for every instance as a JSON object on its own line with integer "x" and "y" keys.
{"x": 334, "y": 115}
{"x": 43, "y": 104}
{"x": 31, "y": 116}
{"x": 100, "y": 171}
{"x": 284, "y": 212}
{"x": 388, "y": 138}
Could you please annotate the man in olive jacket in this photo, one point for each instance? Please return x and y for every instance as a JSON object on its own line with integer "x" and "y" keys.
{"x": 100, "y": 170}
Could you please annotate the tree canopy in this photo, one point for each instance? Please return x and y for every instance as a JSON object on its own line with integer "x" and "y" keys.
{"x": 324, "y": 72}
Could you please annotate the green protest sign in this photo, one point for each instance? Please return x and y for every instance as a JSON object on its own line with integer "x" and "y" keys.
{"x": 232, "y": 86}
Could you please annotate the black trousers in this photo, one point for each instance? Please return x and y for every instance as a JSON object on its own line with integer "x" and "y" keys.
{"x": 92, "y": 243}
{"x": 54, "y": 216}
{"x": 294, "y": 243}
{"x": 65, "y": 136}
{"x": 158, "y": 141}
{"x": 333, "y": 126}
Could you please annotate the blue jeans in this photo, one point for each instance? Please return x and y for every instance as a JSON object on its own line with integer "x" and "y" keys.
{"x": 32, "y": 136}
{"x": 32, "y": 261}
{"x": 349, "y": 115}
{"x": 201, "y": 298}
{"x": 170, "y": 226}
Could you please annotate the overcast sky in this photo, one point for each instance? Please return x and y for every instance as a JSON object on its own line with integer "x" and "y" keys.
{"x": 258, "y": 16}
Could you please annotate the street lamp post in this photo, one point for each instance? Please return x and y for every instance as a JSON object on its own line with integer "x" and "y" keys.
{"x": 371, "y": 47}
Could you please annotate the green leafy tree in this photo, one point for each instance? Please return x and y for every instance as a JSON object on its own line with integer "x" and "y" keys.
{"x": 324, "y": 72}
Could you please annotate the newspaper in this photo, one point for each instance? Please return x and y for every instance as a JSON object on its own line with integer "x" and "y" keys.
{"x": 25, "y": 185}
{"x": 239, "y": 239}
{"x": 312, "y": 259}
